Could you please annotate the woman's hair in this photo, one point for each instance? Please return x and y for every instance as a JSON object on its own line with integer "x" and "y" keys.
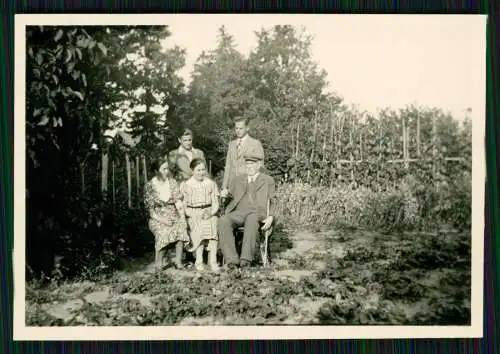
{"x": 195, "y": 162}
{"x": 156, "y": 164}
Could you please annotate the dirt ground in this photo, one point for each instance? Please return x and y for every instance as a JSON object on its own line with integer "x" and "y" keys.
{"x": 292, "y": 290}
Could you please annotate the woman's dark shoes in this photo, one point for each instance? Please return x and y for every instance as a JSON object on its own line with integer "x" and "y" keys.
{"x": 178, "y": 266}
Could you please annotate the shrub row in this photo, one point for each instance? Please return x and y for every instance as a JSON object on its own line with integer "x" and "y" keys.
{"x": 407, "y": 206}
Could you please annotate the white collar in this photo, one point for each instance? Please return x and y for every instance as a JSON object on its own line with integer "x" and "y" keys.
{"x": 162, "y": 188}
{"x": 242, "y": 139}
{"x": 192, "y": 179}
{"x": 253, "y": 178}
{"x": 182, "y": 150}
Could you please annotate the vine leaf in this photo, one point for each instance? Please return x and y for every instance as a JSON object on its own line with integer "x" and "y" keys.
{"x": 102, "y": 47}
{"x": 44, "y": 120}
{"x": 78, "y": 94}
{"x": 68, "y": 56}
{"x": 58, "y": 35}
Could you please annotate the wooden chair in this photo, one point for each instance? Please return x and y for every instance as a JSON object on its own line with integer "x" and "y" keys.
{"x": 263, "y": 238}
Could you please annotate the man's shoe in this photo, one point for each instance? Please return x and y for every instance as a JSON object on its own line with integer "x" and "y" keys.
{"x": 232, "y": 266}
{"x": 244, "y": 263}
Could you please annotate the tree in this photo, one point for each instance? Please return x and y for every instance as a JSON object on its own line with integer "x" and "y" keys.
{"x": 291, "y": 91}
{"x": 278, "y": 87}
{"x": 74, "y": 84}
{"x": 217, "y": 93}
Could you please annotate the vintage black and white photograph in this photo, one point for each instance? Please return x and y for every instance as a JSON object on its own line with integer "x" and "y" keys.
{"x": 250, "y": 170}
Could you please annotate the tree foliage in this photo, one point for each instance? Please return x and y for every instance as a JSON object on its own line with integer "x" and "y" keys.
{"x": 76, "y": 78}
{"x": 94, "y": 91}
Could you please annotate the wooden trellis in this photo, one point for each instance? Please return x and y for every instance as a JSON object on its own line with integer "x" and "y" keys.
{"x": 335, "y": 141}
{"x": 133, "y": 168}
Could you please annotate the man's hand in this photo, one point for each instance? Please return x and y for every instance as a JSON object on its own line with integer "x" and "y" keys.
{"x": 224, "y": 193}
{"x": 267, "y": 223}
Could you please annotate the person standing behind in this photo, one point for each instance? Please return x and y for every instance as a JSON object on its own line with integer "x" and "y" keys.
{"x": 181, "y": 158}
{"x": 184, "y": 154}
{"x": 238, "y": 148}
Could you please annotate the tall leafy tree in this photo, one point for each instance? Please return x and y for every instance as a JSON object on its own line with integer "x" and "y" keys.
{"x": 149, "y": 88}
{"x": 74, "y": 82}
{"x": 292, "y": 90}
{"x": 217, "y": 93}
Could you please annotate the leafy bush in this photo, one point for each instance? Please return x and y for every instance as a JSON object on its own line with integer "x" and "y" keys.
{"x": 410, "y": 205}
{"x": 92, "y": 238}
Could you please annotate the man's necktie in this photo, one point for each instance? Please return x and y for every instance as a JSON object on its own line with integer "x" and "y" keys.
{"x": 251, "y": 190}
{"x": 238, "y": 146}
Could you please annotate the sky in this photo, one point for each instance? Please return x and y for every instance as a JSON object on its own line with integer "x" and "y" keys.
{"x": 373, "y": 61}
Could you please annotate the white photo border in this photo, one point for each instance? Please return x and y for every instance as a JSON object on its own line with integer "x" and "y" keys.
{"x": 23, "y": 332}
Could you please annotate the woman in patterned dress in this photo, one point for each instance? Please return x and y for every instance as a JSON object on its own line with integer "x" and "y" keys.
{"x": 201, "y": 199}
{"x": 166, "y": 214}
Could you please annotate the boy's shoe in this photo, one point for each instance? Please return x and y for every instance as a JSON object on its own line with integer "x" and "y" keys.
{"x": 200, "y": 267}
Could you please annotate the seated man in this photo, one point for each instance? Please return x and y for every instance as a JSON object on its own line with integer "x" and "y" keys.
{"x": 248, "y": 207}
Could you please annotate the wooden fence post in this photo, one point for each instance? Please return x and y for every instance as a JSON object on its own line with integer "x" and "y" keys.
{"x": 324, "y": 142}
{"x": 351, "y": 145}
{"x": 434, "y": 149}
{"x": 332, "y": 144}
{"x": 418, "y": 133}
{"x": 144, "y": 169}
{"x": 361, "y": 145}
{"x": 405, "y": 144}
{"x": 104, "y": 174}
{"x": 314, "y": 136}
{"x": 129, "y": 180}
{"x": 339, "y": 145}
{"x": 297, "y": 140}
{"x": 82, "y": 176}
{"x": 113, "y": 181}
{"x": 379, "y": 149}
{"x": 137, "y": 177}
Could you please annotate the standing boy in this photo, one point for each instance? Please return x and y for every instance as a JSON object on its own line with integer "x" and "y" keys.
{"x": 243, "y": 145}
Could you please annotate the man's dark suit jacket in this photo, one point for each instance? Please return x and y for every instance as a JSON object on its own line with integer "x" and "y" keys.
{"x": 265, "y": 191}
